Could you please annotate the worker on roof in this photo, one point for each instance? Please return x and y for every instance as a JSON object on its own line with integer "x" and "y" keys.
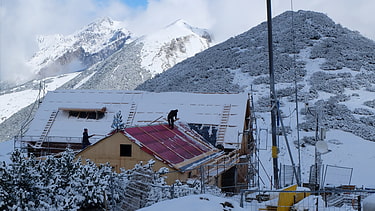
{"x": 172, "y": 116}
{"x": 85, "y": 138}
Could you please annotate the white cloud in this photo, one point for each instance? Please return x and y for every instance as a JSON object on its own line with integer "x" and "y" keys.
{"x": 22, "y": 21}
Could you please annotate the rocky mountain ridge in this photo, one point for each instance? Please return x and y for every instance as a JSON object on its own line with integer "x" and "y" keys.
{"x": 60, "y": 54}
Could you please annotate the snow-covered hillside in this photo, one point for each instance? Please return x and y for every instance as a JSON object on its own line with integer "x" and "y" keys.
{"x": 17, "y": 105}
{"x": 333, "y": 69}
{"x": 22, "y": 97}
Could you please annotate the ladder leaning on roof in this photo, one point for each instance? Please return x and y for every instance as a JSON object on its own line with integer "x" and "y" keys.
{"x": 131, "y": 115}
{"x": 223, "y": 124}
{"x": 46, "y": 130}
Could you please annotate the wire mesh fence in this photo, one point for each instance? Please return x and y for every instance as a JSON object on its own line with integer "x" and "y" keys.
{"x": 303, "y": 200}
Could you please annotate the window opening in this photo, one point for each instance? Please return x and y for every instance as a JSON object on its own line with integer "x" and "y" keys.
{"x": 125, "y": 150}
{"x": 87, "y": 114}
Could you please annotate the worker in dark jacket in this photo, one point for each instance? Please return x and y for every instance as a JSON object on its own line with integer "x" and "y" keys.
{"x": 85, "y": 138}
{"x": 172, "y": 116}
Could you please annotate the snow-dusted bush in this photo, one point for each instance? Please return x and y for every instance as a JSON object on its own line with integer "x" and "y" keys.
{"x": 342, "y": 50}
{"x": 65, "y": 183}
{"x": 370, "y": 103}
{"x": 327, "y": 82}
{"x": 370, "y": 88}
{"x": 333, "y": 115}
{"x": 363, "y": 111}
{"x": 263, "y": 104}
{"x": 285, "y": 92}
{"x": 311, "y": 140}
{"x": 146, "y": 187}
{"x": 365, "y": 79}
{"x": 368, "y": 120}
{"x": 54, "y": 183}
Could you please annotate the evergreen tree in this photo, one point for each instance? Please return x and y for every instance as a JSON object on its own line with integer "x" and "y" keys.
{"x": 5, "y": 187}
{"x": 65, "y": 183}
{"x": 117, "y": 124}
{"x": 57, "y": 183}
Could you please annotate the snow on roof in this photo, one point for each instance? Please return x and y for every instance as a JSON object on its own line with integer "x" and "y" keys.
{"x": 138, "y": 108}
{"x": 174, "y": 147}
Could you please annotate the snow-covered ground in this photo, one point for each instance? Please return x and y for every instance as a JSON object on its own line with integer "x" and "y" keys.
{"x": 346, "y": 151}
{"x": 205, "y": 202}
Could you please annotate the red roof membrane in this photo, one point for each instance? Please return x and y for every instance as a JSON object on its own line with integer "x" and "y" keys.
{"x": 173, "y": 146}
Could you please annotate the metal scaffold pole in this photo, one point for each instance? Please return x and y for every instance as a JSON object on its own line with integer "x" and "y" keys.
{"x": 273, "y": 97}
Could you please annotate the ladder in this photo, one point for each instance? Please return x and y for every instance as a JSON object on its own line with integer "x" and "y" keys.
{"x": 46, "y": 130}
{"x": 223, "y": 124}
{"x": 131, "y": 115}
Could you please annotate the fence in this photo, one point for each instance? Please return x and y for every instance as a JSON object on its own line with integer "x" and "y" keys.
{"x": 303, "y": 200}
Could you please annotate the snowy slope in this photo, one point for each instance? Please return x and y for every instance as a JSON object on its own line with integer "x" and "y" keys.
{"x": 345, "y": 149}
{"x": 334, "y": 72}
{"x": 13, "y": 101}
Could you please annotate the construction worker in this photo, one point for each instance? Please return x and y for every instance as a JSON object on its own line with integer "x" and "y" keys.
{"x": 172, "y": 116}
{"x": 85, "y": 138}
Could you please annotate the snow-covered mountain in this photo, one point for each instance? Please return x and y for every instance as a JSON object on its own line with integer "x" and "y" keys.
{"x": 167, "y": 47}
{"x": 60, "y": 54}
{"x": 106, "y": 55}
{"x": 144, "y": 58}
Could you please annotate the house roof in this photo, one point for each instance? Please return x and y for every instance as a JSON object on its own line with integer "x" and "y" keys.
{"x": 179, "y": 148}
{"x": 223, "y": 111}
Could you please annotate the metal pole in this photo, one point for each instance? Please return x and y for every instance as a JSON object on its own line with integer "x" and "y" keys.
{"x": 296, "y": 92}
{"x": 316, "y": 151}
{"x": 273, "y": 97}
{"x": 290, "y": 153}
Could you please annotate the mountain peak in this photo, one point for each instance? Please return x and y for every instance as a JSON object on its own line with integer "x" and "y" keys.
{"x": 101, "y": 24}
{"x": 179, "y": 23}
{"x": 57, "y": 51}
{"x": 172, "y": 44}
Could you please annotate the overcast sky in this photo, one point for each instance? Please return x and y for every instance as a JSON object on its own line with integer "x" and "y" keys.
{"x": 23, "y": 20}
